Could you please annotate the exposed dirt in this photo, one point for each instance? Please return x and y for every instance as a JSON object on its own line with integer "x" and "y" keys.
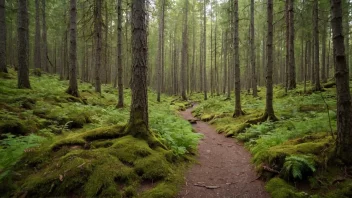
{"x": 223, "y": 169}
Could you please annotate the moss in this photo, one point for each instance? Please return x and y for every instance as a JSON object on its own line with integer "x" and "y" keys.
{"x": 343, "y": 190}
{"x": 18, "y": 127}
{"x": 154, "y": 167}
{"x": 278, "y": 188}
{"x": 162, "y": 190}
{"x": 104, "y": 133}
{"x": 232, "y": 129}
{"x": 312, "y": 107}
{"x": 207, "y": 117}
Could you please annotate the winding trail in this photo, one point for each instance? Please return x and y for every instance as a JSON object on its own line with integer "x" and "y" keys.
{"x": 223, "y": 169}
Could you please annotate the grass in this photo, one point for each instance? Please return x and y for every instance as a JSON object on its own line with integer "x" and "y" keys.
{"x": 65, "y": 145}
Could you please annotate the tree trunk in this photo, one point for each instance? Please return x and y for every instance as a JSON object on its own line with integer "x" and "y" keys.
{"x": 269, "y": 109}
{"x": 120, "y": 102}
{"x": 254, "y": 75}
{"x": 44, "y": 38}
{"x": 23, "y": 45}
{"x": 73, "y": 87}
{"x": 98, "y": 41}
{"x": 184, "y": 57}
{"x": 292, "y": 67}
{"x": 323, "y": 56}
{"x": 238, "y": 109}
{"x": 2, "y": 37}
{"x": 160, "y": 51}
{"x": 344, "y": 107}
{"x": 316, "y": 47}
{"x": 138, "y": 123}
{"x": 37, "y": 44}
{"x": 205, "y": 52}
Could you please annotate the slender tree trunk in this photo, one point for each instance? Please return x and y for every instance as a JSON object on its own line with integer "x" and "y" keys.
{"x": 316, "y": 47}
{"x": 252, "y": 40}
{"x": 269, "y": 109}
{"x": 205, "y": 52}
{"x": 323, "y": 56}
{"x": 138, "y": 123}
{"x": 238, "y": 109}
{"x": 37, "y": 44}
{"x": 344, "y": 106}
{"x": 287, "y": 62}
{"x": 45, "y": 65}
{"x": 2, "y": 37}
{"x": 184, "y": 57}
{"x": 73, "y": 88}
{"x": 98, "y": 40}
{"x": 23, "y": 45}
{"x": 292, "y": 67}
{"x": 160, "y": 51}
{"x": 120, "y": 102}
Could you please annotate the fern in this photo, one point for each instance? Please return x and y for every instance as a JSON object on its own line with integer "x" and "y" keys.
{"x": 297, "y": 166}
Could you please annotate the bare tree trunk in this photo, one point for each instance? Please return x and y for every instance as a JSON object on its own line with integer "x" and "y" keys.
{"x": 73, "y": 88}
{"x": 344, "y": 106}
{"x": 2, "y": 37}
{"x": 184, "y": 57}
{"x": 254, "y": 75}
{"x": 160, "y": 51}
{"x": 98, "y": 40}
{"x": 23, "y": 45}
{"x": 238, "y": 109}
{"x": 316, "y": 47}
{"x": 205, "y": 52}
{"x": 37, "y": 44}
{"x": 292, "y": 67}
{"x": 138, "y": 123}
{"x": 45, "y": 42}
{"x": 287, "y": 62}
{"x": 269, "y": 109}
{"x": 323, "y": 56}
{"x": 120, "y": 103}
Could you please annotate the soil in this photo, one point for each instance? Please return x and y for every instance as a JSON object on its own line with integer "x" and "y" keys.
{"x": 223, "y": 168}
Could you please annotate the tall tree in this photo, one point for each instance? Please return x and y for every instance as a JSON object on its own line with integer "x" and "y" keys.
{"x": 119, "y": 55}
{"x": 344, "y": 106}
{"x": 204, "y": 50}
{"x": 98, "y": 41}
{"x": 184, "y": 56}
{"x": 2, "y": 37}
{"x": 23, "y": 45}
{"x": 138, "y": 123}
{"x": 160, "y": 50}
{"x": 252, "y": 40}
{"x": 44, "y": 38}
{"x": 269, "y": 109}
{"x": 238, "y": 109}
{"x": 317, "y": 86}
{"x": 291, "y": 66}
{"x": 73, "y": 87}
{"x": 37, "y": 42}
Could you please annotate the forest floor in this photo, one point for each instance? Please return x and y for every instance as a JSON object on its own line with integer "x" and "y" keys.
{"x": 223, "y": 167}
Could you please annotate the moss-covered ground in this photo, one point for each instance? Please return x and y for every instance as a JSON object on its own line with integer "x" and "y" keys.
{"x": 295, "y": 155}
{"x": 53, "y": 144}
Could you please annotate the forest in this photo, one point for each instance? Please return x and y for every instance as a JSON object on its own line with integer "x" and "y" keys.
{"x": 176, "y": 98}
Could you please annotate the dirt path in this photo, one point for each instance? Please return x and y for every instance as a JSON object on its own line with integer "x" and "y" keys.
{"x": 223, "y": 169}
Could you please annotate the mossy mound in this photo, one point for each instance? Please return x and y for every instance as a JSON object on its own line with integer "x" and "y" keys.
{"x": 232, "y": 129}
{"x": 319, "y": 146}
{"x": 278, "y": 188}
{"x": 102, "y": 162}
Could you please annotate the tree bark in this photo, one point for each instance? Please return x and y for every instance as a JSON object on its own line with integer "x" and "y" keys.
{"x": 344, "y": 107}
{"x": 44, "y": 38}
{"x": 23, "y": 45}
{"x": 269, "y": 109}
{"x": 205, "y": 52}
{"x": 98, "y": 41}
{"x": 160, "y": 50}
{"x": 138, "y": 123}
{"x": 73, "y": 87}
{"x": 37, "y": 43}
{"x": 323, "y": 56}
{"x": 184, "y": 55}
{"x": 2, "y": 37}
{"x": 252, "y": 40}
{"x": 317, "y": 86}
{"x": 292, "y": 67}
{"x": 120, "y": 102}
{"x": 238, "y": 109}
